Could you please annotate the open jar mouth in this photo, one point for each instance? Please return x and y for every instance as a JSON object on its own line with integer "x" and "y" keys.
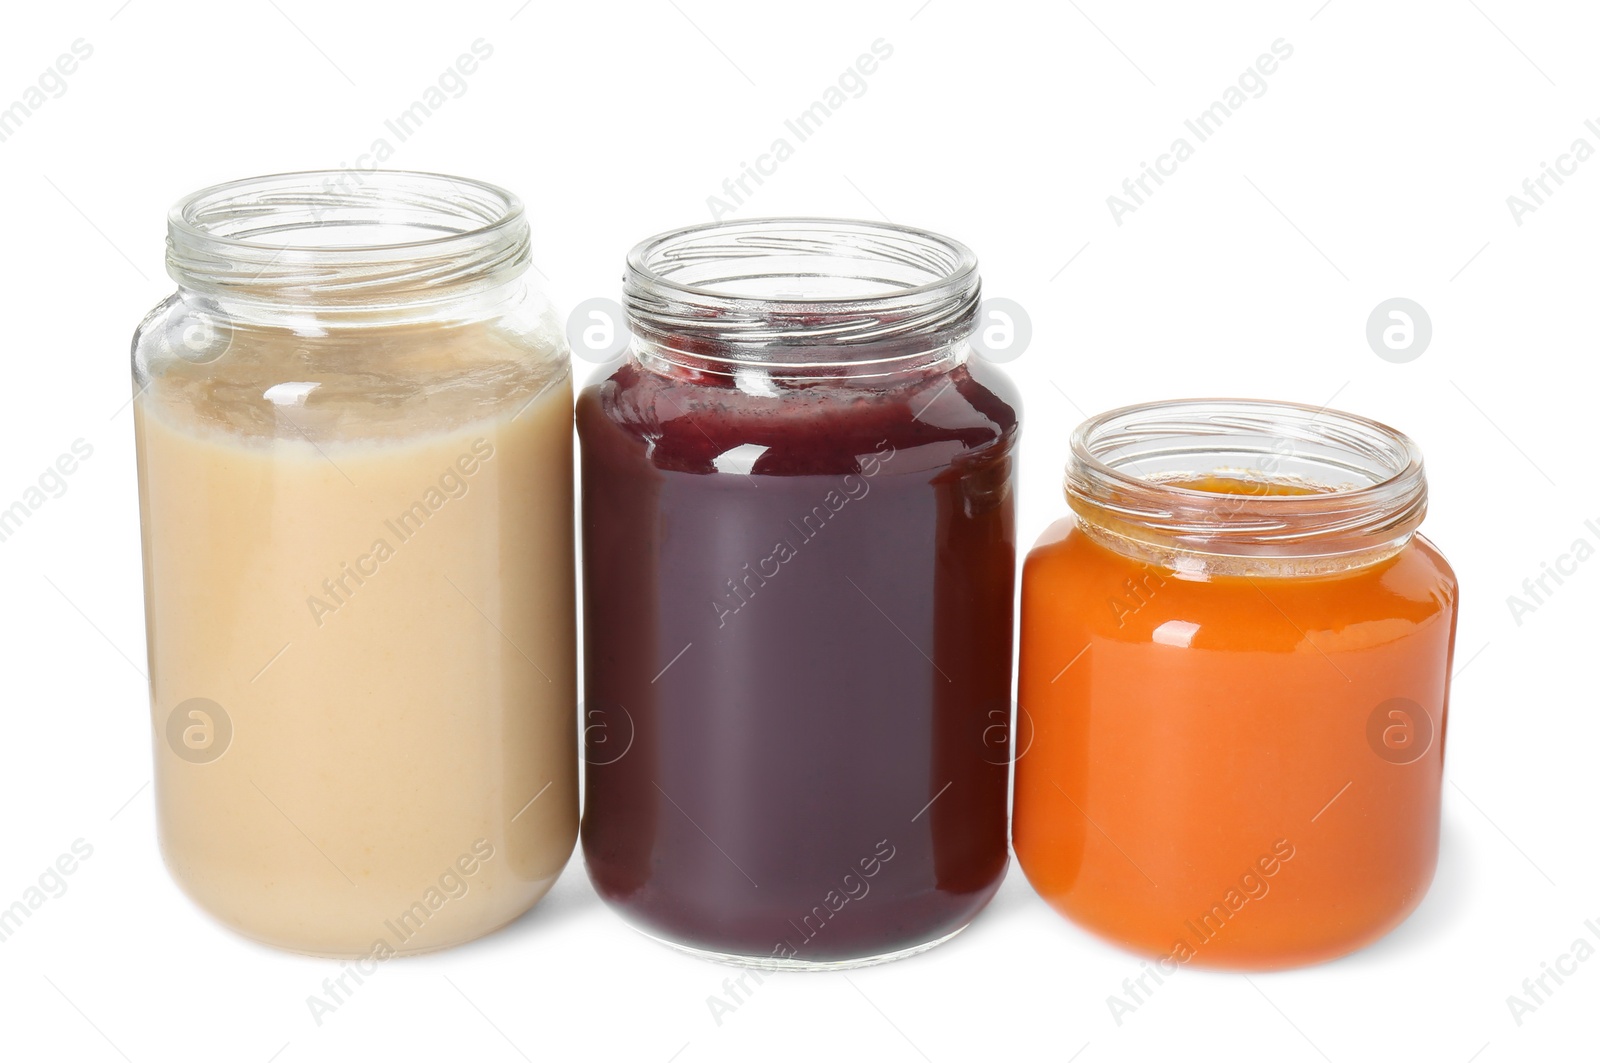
{"x": 1348, "y": 484}
{"x": 789, "y": 292}
{"x": 332, "y": 237}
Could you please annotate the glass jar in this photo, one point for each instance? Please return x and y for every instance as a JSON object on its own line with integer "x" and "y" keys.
{"x": 798, "y": 572}
{"x": 1235, "y": 662}
{"x": 354, "y": 444}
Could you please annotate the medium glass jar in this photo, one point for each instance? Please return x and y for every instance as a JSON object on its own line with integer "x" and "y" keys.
{"x": 798, "y": 573}
{"x": 354, "y": 440}
{"x": 1235, "y": 663}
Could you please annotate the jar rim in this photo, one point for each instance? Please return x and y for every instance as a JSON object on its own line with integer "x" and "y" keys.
{"x": 964, "y": 262}
{"x": 1380, "y": 501}
{"x": 227, "y": 194}
{"x": 468, "y": 233}
{"x": 788, "y": 291}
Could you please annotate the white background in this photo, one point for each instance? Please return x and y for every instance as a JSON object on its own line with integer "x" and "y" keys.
{"x": 1377, "y": 164}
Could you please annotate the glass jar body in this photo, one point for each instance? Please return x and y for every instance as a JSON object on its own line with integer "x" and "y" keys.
{"x": 360, "y": 613}
{"x": 1237, "y": 770}
{"x": 798, "y": 603}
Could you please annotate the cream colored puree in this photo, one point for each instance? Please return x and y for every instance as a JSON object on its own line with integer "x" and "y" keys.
{"x": 387, "y": 732}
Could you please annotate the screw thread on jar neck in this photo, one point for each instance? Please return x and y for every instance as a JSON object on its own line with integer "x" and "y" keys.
{"x": 345, "y": 244}
{"x": 1350, "y": 490}
{"x": 801, "y": 297}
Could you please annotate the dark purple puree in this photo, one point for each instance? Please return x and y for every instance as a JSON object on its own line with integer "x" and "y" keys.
{"x": 786, "y": 665}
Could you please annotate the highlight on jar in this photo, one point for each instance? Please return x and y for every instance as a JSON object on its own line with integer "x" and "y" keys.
{"x": 799, "y": 551}
{"x": 353, "y": 423}
{"x": 1235, "y": 658}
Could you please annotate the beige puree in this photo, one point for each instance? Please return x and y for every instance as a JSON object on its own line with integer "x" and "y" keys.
{"x": 362, "y": 553}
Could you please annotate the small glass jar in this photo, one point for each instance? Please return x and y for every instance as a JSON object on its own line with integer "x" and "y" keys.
{"x": 354, "y": 444}
{"x": 798, "y": 571}
{"x": 1235, "y": 663}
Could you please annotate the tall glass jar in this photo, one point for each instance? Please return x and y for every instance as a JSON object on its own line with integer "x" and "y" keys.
{"x": 798, "y": 573}
{"x": 354, "y": 438}
{"x": 1236, "y": 665}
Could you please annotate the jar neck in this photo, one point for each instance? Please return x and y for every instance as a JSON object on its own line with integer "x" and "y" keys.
{"x": 801, "y": 299}
{"x": 847, "y": 366}
{"x": 1246, "y": 487}
{"x": 458, "y": 307}
{"x": 330, "y": 249}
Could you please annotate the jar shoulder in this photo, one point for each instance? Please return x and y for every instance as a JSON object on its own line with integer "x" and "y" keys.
{"x": 1431, "y": 565}
{"x": 691, "y": 422}
{"x": 198, "y": 365}
{"x": 188, "y": 330}
{"x": 1072, "y": 581}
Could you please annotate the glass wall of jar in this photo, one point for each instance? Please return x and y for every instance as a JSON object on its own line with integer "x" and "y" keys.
{"x": 1235, "y": 664}
{"x": 354, "y": 440}
{"x": 798, "y": 574}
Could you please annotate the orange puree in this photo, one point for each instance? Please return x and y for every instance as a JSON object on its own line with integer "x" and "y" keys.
{"x": 1240, "y": 770}
{"x": 1220, "y": 484}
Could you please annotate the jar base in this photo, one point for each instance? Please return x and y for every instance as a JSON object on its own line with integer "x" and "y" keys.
{"x": 298, "y": 946}
{"x": 774, "y": 963}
